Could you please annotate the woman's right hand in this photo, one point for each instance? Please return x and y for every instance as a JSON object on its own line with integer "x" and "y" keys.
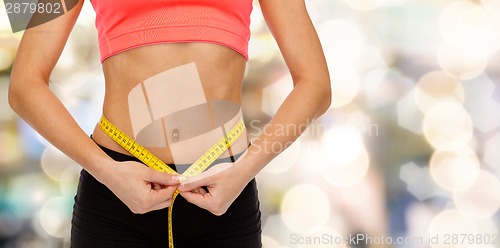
{"x": 141, "y": 188}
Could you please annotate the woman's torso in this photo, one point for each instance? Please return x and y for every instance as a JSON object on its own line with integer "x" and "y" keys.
{"x": 156, "y": 74}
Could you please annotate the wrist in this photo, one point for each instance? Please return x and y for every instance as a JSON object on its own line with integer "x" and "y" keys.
{"x": 251, "y": 162}
{"x": 101, "y": 168}
{"x": 245, "y": 170}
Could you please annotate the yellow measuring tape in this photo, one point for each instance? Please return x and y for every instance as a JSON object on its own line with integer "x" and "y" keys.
{"x": 154, "y": 162}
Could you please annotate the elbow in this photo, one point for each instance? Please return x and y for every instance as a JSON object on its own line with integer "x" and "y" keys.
{"x": 13, "y": 96}
{"x": 325, "y": 96}
{"x": 319, "y": 92}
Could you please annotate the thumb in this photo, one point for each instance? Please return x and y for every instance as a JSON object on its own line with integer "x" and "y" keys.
{"x": 194, "y": 183}
{"x": 162, "y": 178}
{"x": 203, "y": 179}
{"x": 200, "y": 200}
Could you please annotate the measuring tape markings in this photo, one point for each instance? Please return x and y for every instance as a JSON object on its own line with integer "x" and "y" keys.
{"x": 154, "y": 162}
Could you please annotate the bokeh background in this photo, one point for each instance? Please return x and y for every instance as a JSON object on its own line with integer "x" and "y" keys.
{"x": 410, "y": 148}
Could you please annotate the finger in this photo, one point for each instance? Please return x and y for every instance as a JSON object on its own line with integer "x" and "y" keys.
{"x": 171, "y": 190}
{"x": 199, "y": 191}
{"x": 216, "y": 169}
{"x": 156, "y": 186}
{"x": 158, "y": 196}
{"x": 162, "y": 205}
{"x": 161, "y": 177}
{"x": 191, "y": 185}
{"x": 200, "y": 200}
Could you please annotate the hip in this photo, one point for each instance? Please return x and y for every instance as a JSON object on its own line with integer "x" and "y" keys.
{"x": 99, "y": 217}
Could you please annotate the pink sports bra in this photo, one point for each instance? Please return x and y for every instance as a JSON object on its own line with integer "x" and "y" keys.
{"x": 123, "y": 25}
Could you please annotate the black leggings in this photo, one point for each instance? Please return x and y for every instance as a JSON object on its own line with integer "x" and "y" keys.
{"x": 101, "y": 220}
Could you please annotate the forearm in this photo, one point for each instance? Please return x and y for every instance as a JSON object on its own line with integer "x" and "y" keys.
{"x": 303, "y": 105}
{"x": 42, "y": 110}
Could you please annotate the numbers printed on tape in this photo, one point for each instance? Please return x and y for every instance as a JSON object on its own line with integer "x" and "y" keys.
{"x": 131, "y": 146}
{"x": 154, "y": 162}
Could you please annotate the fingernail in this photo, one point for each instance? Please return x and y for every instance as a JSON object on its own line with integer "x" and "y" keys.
{"x": 176, "y": 178}
{"x": 181, "y": 186}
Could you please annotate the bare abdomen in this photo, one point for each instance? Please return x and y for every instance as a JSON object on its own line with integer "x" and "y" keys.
{"x": 174, "y": 99}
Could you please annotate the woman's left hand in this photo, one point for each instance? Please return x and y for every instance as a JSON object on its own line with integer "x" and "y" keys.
{"x": 224, "y": 182}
